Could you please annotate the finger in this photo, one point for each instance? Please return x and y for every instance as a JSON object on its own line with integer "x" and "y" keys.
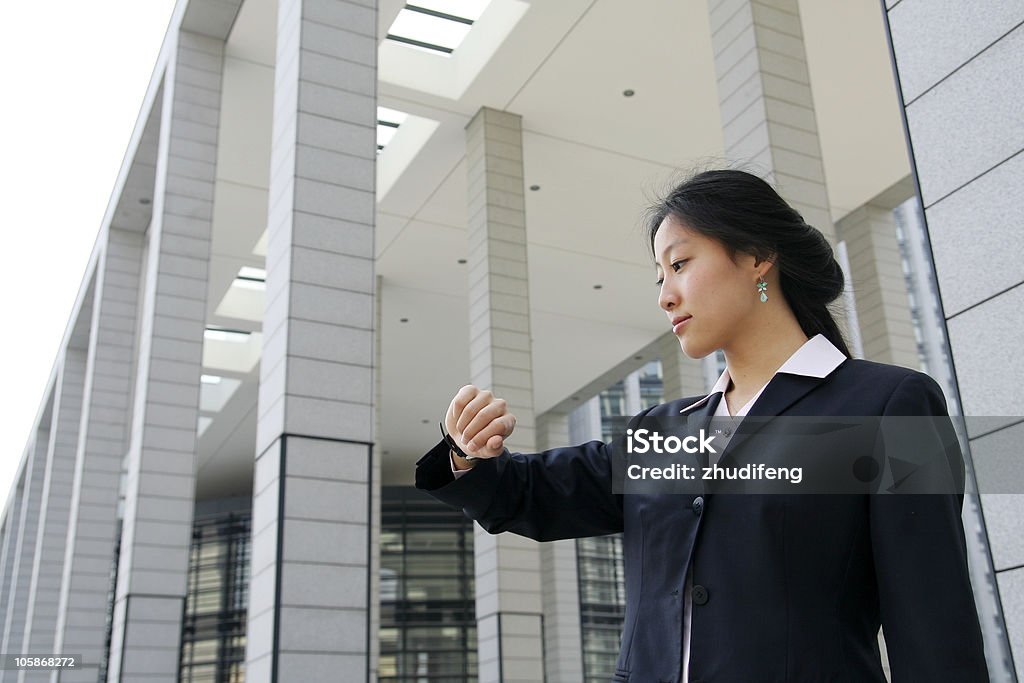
{"x": 501, "y": 428}
{"x": 472, "y": 408}
{"x": 487, "y": 414}
{"x": 462, "y": 397}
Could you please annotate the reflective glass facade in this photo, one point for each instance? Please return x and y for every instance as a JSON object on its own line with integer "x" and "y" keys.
{"x": 599, "y": 560}
{"x": 652, "y": 390}
{"x": 213, "y": 633}
{"x": 602, "y": 604}
{"x": 427, "y": 593}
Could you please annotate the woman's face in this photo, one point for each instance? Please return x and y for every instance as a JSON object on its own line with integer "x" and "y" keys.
{"x": 702, "y": 286}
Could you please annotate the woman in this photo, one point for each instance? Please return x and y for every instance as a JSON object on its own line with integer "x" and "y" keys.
{"x": 745, "y": 588}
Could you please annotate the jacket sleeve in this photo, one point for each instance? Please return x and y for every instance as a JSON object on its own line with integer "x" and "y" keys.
{"x": 556, "y": 494}
{"x": 929, "y": 618}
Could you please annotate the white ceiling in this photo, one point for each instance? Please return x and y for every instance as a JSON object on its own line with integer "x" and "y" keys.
{"x": 598, "y": 157}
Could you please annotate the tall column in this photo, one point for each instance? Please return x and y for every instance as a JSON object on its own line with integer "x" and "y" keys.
{"x": 765, "y": 100}
{"x": 106, "y": 421}
{"x": 310, "y": 597}
{"x": 560, "y": 592}
{"x": 160, "y": 479}
{"x": 508, "y": 587}
{"x": 962, "y": 89}
{"x": 28, "y": 526}
{"x": 47, "y": 557}
{"x": 680, "y": 375}
{"x": 12, "y": 524}
{"x": 879, "y": 286}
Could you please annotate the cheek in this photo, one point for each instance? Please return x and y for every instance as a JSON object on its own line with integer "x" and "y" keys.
{"x": 722, "y": 302}
{"x": 698, "y": 286}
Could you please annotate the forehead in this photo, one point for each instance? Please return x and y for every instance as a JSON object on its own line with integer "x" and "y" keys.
{"x": 673, "y": 233}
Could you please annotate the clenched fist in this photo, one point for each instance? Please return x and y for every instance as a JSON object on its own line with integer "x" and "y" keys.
{"x": 479, "y": 422}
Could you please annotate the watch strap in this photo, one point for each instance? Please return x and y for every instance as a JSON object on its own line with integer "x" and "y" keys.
{"x": 454, "y": 446}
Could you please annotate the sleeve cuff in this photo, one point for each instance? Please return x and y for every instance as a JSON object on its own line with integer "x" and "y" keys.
{"x": 455, "y": 473}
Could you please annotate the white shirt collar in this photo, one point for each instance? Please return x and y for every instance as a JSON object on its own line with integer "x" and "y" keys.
{"x": 816, "y": 358}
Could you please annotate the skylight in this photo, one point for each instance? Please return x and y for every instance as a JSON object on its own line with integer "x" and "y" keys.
{"x": 388, "y": 121}
{"x": 437, "y": 26}
{"x": 250, "y": 273}
{"x": 251, "y": 278}
{"x": 226, "y": 335}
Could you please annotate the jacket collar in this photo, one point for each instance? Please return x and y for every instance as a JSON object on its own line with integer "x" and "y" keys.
{"x": 817, "y": 358}
{"x": 805, "y": 370}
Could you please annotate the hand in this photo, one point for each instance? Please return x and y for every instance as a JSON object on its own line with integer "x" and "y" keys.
{"x": 479, "y": 422}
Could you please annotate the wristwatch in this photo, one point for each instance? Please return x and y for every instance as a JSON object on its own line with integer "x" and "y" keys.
{"x": 454, "y": 446}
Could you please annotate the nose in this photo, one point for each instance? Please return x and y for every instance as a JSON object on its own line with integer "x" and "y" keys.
{"x": 667, "y": 298}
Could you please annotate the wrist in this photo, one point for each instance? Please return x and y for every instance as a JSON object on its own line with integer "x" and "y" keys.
{"x": 461, "y": 464}
{"x": 456, "y": 451}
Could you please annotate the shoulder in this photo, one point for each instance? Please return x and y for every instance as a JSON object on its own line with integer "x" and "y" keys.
{"x": 881, "y": 377}
{"x": 899, "y": 390}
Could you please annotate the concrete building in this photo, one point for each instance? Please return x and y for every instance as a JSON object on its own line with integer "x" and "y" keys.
{"x": 333, "y": 213}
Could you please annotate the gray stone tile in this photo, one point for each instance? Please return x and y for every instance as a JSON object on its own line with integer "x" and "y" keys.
{"x": 1011, "y": 594}
{"x": 977, "y": 230}
{"x": 973, "y": 336}
{"x": 933, "y": 37}
{"x": 1002, "y": 522}
{"x": 971, "y": 121}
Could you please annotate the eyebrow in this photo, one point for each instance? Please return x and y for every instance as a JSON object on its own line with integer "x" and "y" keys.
{"x": 681, "y": 240}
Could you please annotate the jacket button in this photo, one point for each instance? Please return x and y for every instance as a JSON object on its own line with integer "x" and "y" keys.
{"x": 698, "y": 505}
{"x": 700, "y": 595}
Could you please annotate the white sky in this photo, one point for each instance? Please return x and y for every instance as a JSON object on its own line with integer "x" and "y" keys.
{"x": 73, "y": 75}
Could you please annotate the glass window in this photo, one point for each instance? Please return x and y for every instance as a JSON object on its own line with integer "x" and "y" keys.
{"x": 428, "y": 611}
{"x": 213, "y": 633}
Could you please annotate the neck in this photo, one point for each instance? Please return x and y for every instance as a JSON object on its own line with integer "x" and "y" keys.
{"x": 753, "y": 360}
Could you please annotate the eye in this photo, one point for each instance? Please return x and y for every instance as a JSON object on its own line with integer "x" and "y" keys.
{"x": 676, "y": 265}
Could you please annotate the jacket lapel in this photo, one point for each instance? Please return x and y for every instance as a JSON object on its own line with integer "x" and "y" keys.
{"x": 782, "y": 392}
{"x": 699, "y": 417}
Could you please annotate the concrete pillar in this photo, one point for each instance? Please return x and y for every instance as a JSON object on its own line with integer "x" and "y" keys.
{"x": 508, "y": 587}
{"x": 631, "y": 391}
{"x": 765, "y": 100}
{"x": 879, "y": 286}
{"x": 680, "y": 375}
{"x": 310, "y": 595}
{"x": 47, "y": 557}
{"x": 376, "y": 477}
{"x": 28, "y": 526}
{"x": 585, "y": 421}
{"x": 160, "y": 479}
{"x": 563, "y": 644}
{"x": 12, "y": 523}
{"x": 106, "y": 420}
{"x": 962, "y": 91}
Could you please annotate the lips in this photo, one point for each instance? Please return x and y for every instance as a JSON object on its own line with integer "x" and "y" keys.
{"x": 678, "y": 322}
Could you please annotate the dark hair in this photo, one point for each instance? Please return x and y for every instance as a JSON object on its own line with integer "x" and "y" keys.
{"x": 745, "y": 214}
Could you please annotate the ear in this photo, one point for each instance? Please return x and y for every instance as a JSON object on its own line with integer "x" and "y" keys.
{"x": 769, "y": 259}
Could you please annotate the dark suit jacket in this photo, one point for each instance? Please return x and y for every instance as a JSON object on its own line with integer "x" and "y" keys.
{"x": 787, "y": 588}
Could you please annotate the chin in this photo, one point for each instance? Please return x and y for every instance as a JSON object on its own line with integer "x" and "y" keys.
{"x": 694, "y": 350}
